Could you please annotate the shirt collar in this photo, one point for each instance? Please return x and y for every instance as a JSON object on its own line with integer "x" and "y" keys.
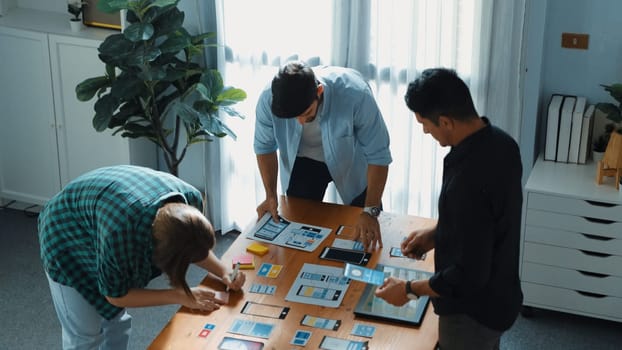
{"x": 460, "y": 150}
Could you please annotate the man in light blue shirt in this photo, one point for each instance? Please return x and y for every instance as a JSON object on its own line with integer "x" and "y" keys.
{"x": 326, "y": 125}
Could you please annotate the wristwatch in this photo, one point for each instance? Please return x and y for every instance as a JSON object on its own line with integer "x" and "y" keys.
{"x": 372, "y": 211}
{"x": 410, "y": 294}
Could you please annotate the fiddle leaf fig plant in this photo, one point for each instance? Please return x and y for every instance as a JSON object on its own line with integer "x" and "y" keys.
{"x": 154, "y": 85}
{"x": 613, "y": 112}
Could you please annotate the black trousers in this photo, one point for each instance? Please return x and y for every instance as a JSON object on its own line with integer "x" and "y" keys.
{"x": 310, "y": 179}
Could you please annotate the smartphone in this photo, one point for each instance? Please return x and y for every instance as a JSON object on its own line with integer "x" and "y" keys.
{"x": 345, "y": 255}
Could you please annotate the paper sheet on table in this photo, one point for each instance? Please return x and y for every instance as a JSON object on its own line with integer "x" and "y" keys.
{"x": 319, "y": 285}
{"x": 288, "y": 233}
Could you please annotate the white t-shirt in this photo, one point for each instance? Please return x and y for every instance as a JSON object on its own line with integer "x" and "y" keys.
{"x": 311, "y": 141}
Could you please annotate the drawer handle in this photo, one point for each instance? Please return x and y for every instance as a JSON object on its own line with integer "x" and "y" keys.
{"x": 600, "y": 255}
{"x": 601, "y": 204}
{"x": 591, "y": 295}
{"x": 593, "y": 274}
{"x": 599, "y": 221}
{"x": 600, "y": 238}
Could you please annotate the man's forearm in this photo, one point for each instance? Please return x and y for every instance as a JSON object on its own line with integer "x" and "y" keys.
{"x": 268, "y": 169}
{"x": 376, "y": 180}
{"x": 212, "y": 264}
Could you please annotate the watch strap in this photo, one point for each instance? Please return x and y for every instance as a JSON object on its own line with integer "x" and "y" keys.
{"x": 409, "y": 292}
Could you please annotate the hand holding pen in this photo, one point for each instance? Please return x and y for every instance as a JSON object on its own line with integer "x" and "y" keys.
{"x": 236, "y": 278}
{"x": 233, "y": 275}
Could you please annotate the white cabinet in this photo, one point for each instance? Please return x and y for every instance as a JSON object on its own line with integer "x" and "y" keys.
{"x": 46, "y": 134}
{"x": 80, "y": 147}
{"x": 571, "y": 250}
{"x": 28, "y": 155}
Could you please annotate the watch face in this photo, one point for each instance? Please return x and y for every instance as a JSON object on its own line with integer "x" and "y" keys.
{"x": 375, "y": 211}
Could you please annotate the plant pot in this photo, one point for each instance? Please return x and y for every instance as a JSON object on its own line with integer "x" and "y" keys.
{"x": 76, "y": 24}
{"x": 597, "y": 156}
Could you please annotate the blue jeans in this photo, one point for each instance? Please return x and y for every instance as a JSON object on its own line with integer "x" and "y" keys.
{"x": 83, "y": 327}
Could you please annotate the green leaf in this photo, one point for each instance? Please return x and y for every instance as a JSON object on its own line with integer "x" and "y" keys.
{"x": 169, "y": 22}
{"x": 141, "y": 56}
{"x": 200, "y": 38}
{"x": 203, "y": 106}
{"x": 110, "y": 6}
{"x": 139, "y": 32}
{"x": 100, "y": 122}
{"x": 615, "y": 90}
{"x": 231, "y": 96}
{"x": 610, "y": 110}
{"x": 215, "y": 127}
{"x": 188, "y": 114}
{"x": 115, "y": 49}
{"x": 152, "y": 73}
{"x": 213, "y": 81}
{"x": 111, "y": 72}
{"x": 175, "y": 42}
{"x": 201, "y": 89}
{"x": 162, "y": 3}
{"x": 173, "y": 74}
{"x": 104, "y": 109}
{"x": 135, "y": 130}
{"x": 127, "y": 87}
{"x": 232, "y": 112}
{"x": 87, "y": 89}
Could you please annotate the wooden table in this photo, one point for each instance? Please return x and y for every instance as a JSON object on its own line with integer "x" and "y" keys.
{"x": 182, "y": 331}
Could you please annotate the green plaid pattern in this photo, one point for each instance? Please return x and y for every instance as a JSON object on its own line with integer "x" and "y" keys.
{"x": 95, "y": 235}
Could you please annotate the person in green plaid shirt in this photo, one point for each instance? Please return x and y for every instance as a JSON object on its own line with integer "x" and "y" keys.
{"x": 111, "y": 231}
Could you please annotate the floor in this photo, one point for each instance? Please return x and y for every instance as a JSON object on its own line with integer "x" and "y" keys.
{"x": 29, "y": 320}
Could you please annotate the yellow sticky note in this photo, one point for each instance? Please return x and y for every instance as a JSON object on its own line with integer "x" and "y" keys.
{"x": 258, "y": 249}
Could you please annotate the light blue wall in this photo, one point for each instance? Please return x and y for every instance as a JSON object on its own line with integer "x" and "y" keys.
{"x": 580, "y": 72}
{"x": 549, "y": 68}
{"x": 533, "y": 44}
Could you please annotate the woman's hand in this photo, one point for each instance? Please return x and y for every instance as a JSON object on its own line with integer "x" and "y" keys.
{"x": 237, "y": 283}
{"x": 204, "y": 299}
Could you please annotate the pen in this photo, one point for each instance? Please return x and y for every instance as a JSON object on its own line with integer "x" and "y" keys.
{"x": 234, "y": 274}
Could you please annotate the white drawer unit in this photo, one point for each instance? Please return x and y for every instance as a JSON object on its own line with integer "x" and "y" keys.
{"x": 571, "y": 241}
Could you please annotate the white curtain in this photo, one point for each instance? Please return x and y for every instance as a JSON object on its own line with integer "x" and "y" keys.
{"x": 390, "y": 42}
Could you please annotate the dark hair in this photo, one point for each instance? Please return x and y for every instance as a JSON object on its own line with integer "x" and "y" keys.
{"x": 182, "y": 236}
{"x": 439, "y": 91}
{"x": 294, "y": 88}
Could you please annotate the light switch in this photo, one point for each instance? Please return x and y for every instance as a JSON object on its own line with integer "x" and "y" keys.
{"x": 575, "y": 41}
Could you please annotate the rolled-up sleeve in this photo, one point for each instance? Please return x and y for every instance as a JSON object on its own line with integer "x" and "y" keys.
{"x": 265, "y": 141}
{"x": 371, "y": 132}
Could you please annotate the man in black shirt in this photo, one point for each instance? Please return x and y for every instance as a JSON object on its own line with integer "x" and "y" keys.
{"x": 475, "y": 288}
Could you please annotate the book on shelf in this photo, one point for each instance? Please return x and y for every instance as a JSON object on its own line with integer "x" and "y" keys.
{"x": 575, "y": 129}
{"x": 565, "y": 124}
{"x": 552, "y": 127}
{"x": 586, "y": 134}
